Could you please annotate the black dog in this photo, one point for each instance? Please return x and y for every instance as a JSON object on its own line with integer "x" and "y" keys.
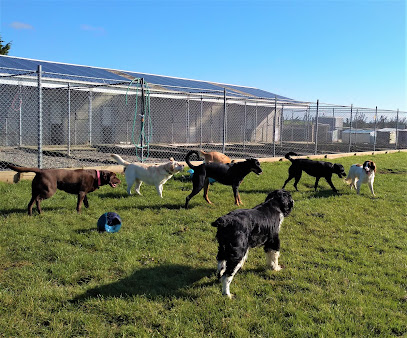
{"x": 242, "y": 229}
{"x": 316, "y": 169}
{"x": 228, "y": 174}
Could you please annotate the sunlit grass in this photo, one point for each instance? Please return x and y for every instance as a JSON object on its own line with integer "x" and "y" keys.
{"x": 344, "y": 258}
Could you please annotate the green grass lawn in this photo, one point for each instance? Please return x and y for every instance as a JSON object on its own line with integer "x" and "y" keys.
{"x": 344, "y": 259}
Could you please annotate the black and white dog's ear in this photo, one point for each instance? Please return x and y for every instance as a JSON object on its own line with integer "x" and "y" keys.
{"x": 287, "y": 203}
{"x": 273, "y": 195}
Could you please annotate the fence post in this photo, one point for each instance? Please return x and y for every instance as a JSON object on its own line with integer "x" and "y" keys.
{"x": 350, "y": 127}
{"x": 90, "y": 117}
{"x": 245, "y": 124}
{"x": 281, "y": 124}
{"x": 20, "y": 122}
{"x": 374, "y": 132}
{"x": 39, "y": 71}
{"x": 316, "y": 129}
{"x": 255, "y": 125}
{"x": 69, "y": 119}
{"x": 200, "y": 124}
{"x": 224, "y": 121}
{"x": 142, "y": 112}
{"x": 6, "y": 132}
{"x": 187, "y": 121}
{"x": 274, "y": 126}
{"x": 397, "y": 130}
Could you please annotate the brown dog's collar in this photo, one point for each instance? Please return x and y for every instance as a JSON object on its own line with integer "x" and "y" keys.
{"x": 98, "y": 176}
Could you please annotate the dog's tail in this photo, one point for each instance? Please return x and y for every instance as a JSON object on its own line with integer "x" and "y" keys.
{"x": 289, "y": 154}
{"x": 348, "y": 179}
{"x": 19, "y": 170}
{"x": 189, "y": 154}
{"x": 120, "y": 160}
{"x": 24, "y": 169}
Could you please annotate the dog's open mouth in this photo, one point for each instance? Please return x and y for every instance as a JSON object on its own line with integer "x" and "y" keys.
{"x": 114, "y": 185}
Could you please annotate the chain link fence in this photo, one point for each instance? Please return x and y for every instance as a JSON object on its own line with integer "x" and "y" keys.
{"x": 59, "y": 121}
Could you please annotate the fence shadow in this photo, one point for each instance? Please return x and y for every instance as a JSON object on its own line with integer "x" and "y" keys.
{"x": 152, "y": 282}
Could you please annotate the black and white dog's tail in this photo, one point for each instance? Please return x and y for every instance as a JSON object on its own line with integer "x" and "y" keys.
{"x": 288, "y": 156}
{"x": 187, "y": 158}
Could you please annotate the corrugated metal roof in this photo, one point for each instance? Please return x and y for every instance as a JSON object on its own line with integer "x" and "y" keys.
{"x": 14, "y": 65}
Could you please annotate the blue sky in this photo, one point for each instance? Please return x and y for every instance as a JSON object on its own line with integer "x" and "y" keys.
{"x": 340, "y": 52}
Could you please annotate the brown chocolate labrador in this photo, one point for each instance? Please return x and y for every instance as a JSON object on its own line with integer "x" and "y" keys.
{"x": 79, "y": 181}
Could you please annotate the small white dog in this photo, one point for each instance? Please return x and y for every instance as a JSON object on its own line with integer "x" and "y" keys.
{"x": 155, "y": 175}
{"x": 359, "y": 174}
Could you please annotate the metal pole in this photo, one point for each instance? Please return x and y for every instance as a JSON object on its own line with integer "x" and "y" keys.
{"x": 350, "y": 128}
{"x": 200, "y": 124}
{"x": 374, "y": 132}
{"x": 224, "y": 121}
{"x": 20, "y": 120}
{"x": 90, "y": 118}
{"x": 142, "y": 119}
{"x": 187, "y": 131}
{"x": 274, "y": 126}
{"x": 281, "y": 124}
{"x": 245, "y": 125}
{"x": 211, "y": 126}
{"x": 316, "y": 129}
{"x": 255, "y": 125}
{"x": 397, "y": 130}
{"x": 69, "y": 119}
{"x": 6, "y": 131}
{"x": 39, "y": 71}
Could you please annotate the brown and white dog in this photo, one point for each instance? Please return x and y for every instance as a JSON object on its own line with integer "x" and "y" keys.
{"x": 157, "y": 175}
{"x": 362, "y": 173}
{"x": 215, "y": 156}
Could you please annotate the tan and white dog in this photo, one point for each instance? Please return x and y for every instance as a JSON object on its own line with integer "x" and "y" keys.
{"x": 362, "y": 173}
{"x": 157, "y": 175}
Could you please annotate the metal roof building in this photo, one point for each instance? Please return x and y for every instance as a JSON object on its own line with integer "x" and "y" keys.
{"x": 10, "y": 65}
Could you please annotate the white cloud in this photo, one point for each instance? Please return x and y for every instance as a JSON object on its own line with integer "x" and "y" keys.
{"x": 90, "y": 28}
{"x": 20, "y": 25}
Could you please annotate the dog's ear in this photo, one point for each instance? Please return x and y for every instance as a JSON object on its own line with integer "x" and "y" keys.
{"x": 287, "y": 203}
{"x": 106, "y": 175}
{"x": 283, "y": 199}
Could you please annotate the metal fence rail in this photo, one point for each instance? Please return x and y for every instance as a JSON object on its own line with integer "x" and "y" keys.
{"x": 55, "y": 120}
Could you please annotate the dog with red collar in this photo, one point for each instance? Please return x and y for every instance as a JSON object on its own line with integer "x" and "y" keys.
{"x": 362, "y": 173}
{"x": 78, "y": 182}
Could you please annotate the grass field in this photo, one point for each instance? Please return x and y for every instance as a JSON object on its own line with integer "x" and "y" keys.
{"x": 344, "y": 259}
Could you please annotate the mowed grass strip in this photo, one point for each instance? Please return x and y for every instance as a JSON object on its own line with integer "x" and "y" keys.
{"x": 344, "y": 259}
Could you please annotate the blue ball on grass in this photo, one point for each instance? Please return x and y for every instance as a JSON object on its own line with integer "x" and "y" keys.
{"x": 109, "y": 222}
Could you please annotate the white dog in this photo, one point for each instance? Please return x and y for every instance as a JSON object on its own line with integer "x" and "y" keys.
{"x": 155, "y": 175}
{"x": 359, "y": 174}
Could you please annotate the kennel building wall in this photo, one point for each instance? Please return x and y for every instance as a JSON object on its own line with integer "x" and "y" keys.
{"x": 83, "y": 122}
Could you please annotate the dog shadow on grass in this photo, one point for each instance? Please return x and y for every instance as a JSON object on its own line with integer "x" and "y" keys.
{"x": 153, "y": 282}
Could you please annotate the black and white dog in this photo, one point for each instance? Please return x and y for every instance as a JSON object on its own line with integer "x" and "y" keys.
{"x": 359, "y": 174}
{"x": 316, "y": 169}
{"x": 242, "y": 229}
